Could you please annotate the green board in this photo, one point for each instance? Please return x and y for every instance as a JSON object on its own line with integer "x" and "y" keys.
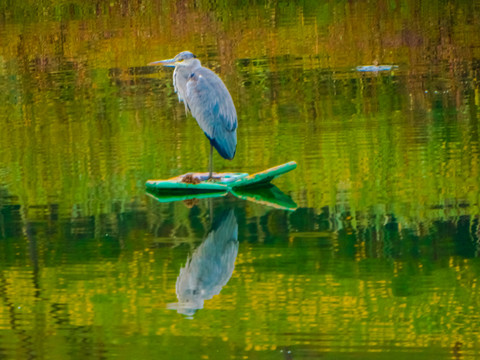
{"x": 197, "y": 183}
{"x": 262, "y": 178}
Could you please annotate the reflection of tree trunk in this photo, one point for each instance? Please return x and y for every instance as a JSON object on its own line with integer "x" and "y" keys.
{"x": 2, "y": 225}
{"x": 477, "y": 236}
{"x": 9, "y": 305}
{"x": 25, "y": 337}
{"x": 33, "y": 252}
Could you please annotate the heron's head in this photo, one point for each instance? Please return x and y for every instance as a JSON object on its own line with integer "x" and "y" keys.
{"x": 185, "y": 58}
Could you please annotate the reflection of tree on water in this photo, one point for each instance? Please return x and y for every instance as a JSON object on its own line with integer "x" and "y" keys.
{"x": 210, "y": 267}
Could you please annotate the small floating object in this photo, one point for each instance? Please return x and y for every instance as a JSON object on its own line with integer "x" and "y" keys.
{"x": 375, "y": 68}
{"x": 197, "y": 183}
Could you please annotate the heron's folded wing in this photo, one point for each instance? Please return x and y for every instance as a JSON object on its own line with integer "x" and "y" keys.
{"x": 210, "y": 103}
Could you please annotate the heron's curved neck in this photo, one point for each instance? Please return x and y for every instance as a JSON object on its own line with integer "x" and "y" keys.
{"x": 184, "y": 70}
{"x": 194, "y": 65}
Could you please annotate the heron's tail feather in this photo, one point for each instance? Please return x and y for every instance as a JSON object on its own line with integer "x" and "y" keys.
{"x": 225, "y": 143}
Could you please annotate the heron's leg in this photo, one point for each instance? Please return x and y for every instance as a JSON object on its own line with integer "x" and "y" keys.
{"x": 211, "y": 162}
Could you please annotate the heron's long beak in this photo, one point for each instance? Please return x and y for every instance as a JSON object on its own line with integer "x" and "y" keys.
{"x": 169, "y": 62}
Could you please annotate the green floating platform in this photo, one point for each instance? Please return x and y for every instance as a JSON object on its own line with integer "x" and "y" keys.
{"x": 197, "y": 183}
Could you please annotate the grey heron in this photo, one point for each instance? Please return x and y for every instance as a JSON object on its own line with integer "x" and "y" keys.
{"x": 206, "y": 97}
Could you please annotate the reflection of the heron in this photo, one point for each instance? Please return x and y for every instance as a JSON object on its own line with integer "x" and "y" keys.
{"x": 210, "y": 266}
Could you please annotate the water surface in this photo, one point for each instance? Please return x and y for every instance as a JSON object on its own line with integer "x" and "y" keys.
{"x": 381, "y": 257}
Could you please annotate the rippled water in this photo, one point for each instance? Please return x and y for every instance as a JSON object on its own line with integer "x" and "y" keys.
{"x": 380, "y": 259}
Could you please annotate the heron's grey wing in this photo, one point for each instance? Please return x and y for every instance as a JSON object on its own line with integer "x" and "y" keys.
{"x": 212, "y": 106}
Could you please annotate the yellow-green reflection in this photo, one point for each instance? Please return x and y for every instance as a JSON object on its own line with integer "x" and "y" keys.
{"x": 311, "y": 291}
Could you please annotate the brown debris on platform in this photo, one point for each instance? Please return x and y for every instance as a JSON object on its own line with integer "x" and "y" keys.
{"x": 190, "y": 179}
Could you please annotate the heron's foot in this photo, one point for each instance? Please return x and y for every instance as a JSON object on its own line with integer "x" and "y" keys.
{"x": 213, "y": 178}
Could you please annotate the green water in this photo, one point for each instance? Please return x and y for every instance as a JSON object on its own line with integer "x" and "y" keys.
{"x": 379, "y": 261}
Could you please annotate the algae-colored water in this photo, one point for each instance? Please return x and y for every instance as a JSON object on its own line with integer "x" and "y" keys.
{"x": 379, "y": 261}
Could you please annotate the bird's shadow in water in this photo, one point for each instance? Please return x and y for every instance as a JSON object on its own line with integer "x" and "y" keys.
{"x": 210, "y": 266}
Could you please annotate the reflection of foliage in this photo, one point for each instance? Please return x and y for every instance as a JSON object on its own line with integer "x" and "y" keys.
{"x": 360, "y": 140}
{"x": 303, "y": 278}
